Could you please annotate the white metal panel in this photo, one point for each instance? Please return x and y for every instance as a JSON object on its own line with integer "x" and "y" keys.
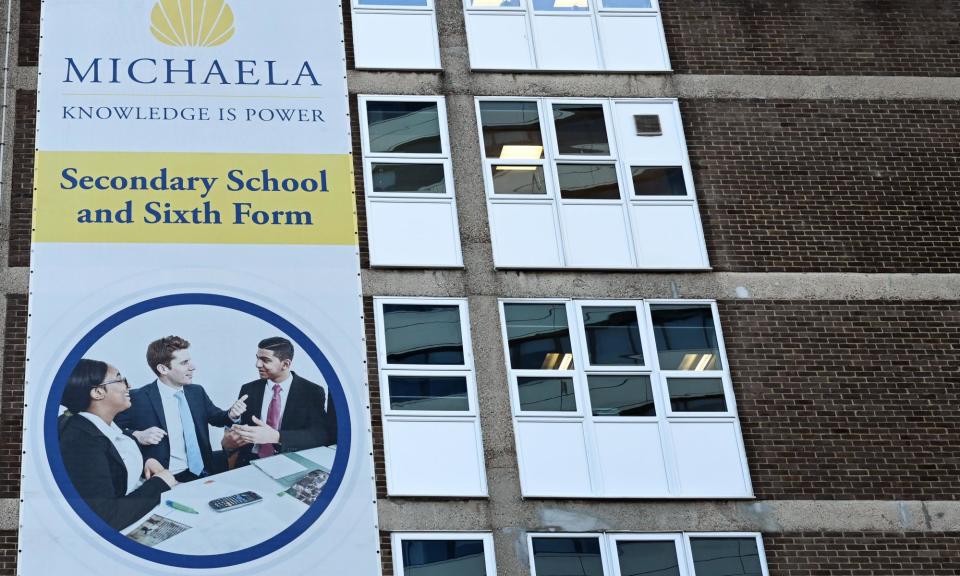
{"x": 524, "y": 235}
{"x": 708, "y": 458}
{"x": 596, "y": 236}
{"x": 668, "y": 236}
{"x": 553, "y": 459}
{"x": 565, "y": 42}
{"x": 395, "y": 40}
{"x": 498, "y": 41}
{"x": 413, "y": 233}
{"x": 632, "y": 43}
{"x": 631, "y": 459}
{"x": 665, "y": 150}
{"x": 434, "y": 458}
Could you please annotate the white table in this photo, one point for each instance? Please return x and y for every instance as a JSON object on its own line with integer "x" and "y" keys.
{"x": 221, "y": 532}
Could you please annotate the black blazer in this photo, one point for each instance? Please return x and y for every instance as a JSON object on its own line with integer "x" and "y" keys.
{"x": 305, "y": 422}
{"x": 99, "y": 475}
{"x": 146, "y": 410}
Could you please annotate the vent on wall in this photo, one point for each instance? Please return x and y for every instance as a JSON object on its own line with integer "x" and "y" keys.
{"x": 648, "y": 125}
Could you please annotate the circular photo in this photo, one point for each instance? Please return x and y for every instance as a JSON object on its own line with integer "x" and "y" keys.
{"x": 197, "y": 430}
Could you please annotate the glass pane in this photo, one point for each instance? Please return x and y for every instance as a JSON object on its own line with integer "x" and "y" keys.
{"x": 422, "y": 334}
{"x": 621, "y": 396}
{"x": 442, "y": 393}
{"x": 651, "y": 181}
{"x": 404, "y": 127}
{"x": 392, "y": 2}
{"x": 422, "y": 178}
{"x": 648, "y": 558}
{"x": 588, "y": 181}
{"x": 627, "y": 4}
{"x": 443, "y": 557}
{"x": 567, "y": 557}
{"x": 613, "y": 336}
{"x": 546, "y": 394}
{"x": 696, "y": 395}
{"x": 581, "y": 129}
{"x": 511, "y": 130}
{"x": 561, "y": 5}
{"x": 726, "y": 557}
{"x": 686, "y": 337}
{"x": 538, "y": 337}
{"x": 495, "y": 3}
{"x": 518, "y": 180}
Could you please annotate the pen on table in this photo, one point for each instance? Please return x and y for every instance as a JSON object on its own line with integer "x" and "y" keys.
{"x": 181, "y": 507}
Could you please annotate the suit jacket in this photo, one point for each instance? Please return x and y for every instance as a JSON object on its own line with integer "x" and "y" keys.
{"x": 305, "y": 422}
{"x": 99, "y": 475}
{"x": 146, "y": 410}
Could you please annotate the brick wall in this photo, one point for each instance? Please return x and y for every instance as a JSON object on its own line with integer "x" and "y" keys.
{"x": 373, "y": 378}
{"x": 29, "y": 27}
{"x": 847, "y": 400}
{"x": 863, "y": 554}
{"x": 8, "y": 553}
{"x": 21, "y": 180}
{"x": 11, "y": 395}
{"x": 827, "y": 186}
{"x": 823, "y": 37}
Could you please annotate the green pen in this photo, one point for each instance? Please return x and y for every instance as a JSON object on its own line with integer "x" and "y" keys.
{"x": 181, "y": 507}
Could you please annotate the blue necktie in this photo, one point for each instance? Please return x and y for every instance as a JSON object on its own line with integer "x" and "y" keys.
{"x": 194, "y": 458}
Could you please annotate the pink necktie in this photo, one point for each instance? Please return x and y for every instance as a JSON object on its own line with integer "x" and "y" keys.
{"x": 273, "y": 421}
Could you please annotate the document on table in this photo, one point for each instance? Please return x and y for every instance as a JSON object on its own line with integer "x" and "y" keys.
{"x": 279, "y": 466}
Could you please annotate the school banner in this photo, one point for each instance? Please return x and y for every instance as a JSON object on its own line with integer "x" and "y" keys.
{"x": 196, "y": 396}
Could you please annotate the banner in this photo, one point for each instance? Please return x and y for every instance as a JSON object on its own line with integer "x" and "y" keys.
{"x": 196, "y": 396}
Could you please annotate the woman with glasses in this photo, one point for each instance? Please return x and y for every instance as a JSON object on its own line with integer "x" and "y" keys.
{"x": 104, "y": 465}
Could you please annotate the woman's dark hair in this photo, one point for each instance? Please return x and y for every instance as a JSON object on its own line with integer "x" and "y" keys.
{"x": 87, "y": 375}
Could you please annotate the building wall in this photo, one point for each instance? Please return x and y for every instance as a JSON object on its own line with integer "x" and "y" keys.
{"x": 823, "y": 140}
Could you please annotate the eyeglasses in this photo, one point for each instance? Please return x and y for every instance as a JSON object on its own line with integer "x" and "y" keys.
{"x": 120, "y": 379}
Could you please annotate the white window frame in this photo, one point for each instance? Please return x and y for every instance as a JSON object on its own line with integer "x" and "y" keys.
{"x": 397, "y": 538}
{"x": 594, "y": 12}
{"x": 467, "y": 370}
{"x": 443, "y": 158}
{"x": 552, "y": 157}
{"x": 658, "y": 382}
{"x": 430, "y": 8}
{"x": 608, "y": 547}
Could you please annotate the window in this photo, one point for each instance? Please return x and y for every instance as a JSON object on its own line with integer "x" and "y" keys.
{"x": 688, "y": 554}
{"x": 395, "y": 34}
{"x": 622, "y": 399}
{"x": 428, "y": 398}
{"x": 589, "y": 184}
{"x": 443, "y": 554}
{"x": 408, "y": 182}
{"x": 616, "y": 35}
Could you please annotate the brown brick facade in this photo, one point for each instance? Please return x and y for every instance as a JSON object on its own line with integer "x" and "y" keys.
{"x": 29, "y": 27}
{"x": 8, "y": 553}
{"x": 11, "y": 395}
{"x": 863, "y": 554}
{"x": 847, "y": 400}
{"x": 818, "y": 37}
{"x": 21, "y": 180}
{"x": 827, "y": 186}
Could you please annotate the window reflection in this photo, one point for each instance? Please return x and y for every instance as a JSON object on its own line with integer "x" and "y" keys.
{"x": 439, "y": 393}
{"x": 443, "y": 557}
{"x": 654, "y": 181}
{"x": 696, "y": 395}
{"x": 404, "y": 127}
{"x": 511, "y": 130}
{"x": 581, "y": 129}
{"x": 511, "y": 179}
{"x": 649, "y": 558}
{"x": 417, "y": 178}
{"x": 686, "y": 337}
{"x": 546, "y": 394}
{"x": 561, "y": 5}
{"x": 538, "y": 337}
{"x": 423, "y": 334}
{"x": 588, "y": 181}
{"x": 613, "y": 336}
{"x": 567, "y": 557}
{"x": 726, "y": 557}
{"x": 621, "y": 396}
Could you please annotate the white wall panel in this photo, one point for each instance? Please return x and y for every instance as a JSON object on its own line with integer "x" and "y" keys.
{"x": 395, "y": 41}
{"x": 413, "y": 233}
{"x": 524, "y": 235}
{"x": 565, "y": 42}
{"x": 708, "y": 458}
{"x": 632, "y": 43}
{"x": 631, "y": 459}
{"x": 553, "y": 459}
{"x": 668, "y": 236}
{"x": 596, "y": 236}
{"x": 665, "y": 150}
{"x": 499, "y": 41}
{"x": 434, "y": 458}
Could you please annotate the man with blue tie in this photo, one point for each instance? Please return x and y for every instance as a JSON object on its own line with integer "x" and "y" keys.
{"x": 169, "y": 416}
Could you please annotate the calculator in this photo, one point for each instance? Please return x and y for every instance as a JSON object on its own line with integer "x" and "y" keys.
{"x": 235, "y": 501}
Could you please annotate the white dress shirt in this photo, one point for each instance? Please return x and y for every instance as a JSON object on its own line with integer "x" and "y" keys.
{"x": 126, "y": 446}
{"x": 171, "y": 414}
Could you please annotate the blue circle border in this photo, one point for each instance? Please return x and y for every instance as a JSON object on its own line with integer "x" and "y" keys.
{"x": 336, "y": 394}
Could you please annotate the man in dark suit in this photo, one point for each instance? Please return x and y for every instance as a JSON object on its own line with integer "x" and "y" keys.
{"x": 169, "y": 416}
{"x": 286, "y": 413}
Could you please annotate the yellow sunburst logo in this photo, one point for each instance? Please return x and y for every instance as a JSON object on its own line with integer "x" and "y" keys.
{"x": 201, "y": 23}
